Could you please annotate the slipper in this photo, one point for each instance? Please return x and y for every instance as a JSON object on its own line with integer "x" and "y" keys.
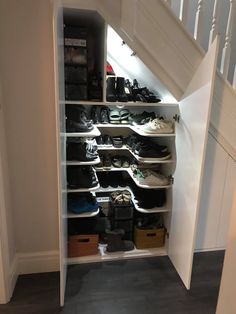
{"x": 114, "y": 116}
{"x": 124, "y": 116}
{"x": 116, "y": 162}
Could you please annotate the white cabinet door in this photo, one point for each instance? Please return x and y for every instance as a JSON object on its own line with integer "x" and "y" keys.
{"x": 191, "y": 138}
{"x": 61, "y": 140}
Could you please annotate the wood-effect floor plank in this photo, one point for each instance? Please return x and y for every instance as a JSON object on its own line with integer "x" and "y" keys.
{"x": 147, "y": 286}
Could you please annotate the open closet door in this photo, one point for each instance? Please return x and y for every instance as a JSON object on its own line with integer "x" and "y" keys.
{"x": 191, "y": 138}
{"x": 61, "y": 140}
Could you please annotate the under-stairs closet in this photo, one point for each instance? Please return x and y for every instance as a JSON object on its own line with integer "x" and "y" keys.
{"x": 130, "y": 157}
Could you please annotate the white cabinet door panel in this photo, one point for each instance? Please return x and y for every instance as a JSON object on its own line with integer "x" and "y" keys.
{"x": 191, "y": 138}
{"x": 61, "y": 140}
{"x": 212, "y": 193}
{"x": 229, "y": 187}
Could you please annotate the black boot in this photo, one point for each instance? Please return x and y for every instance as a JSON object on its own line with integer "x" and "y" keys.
{"x": 120, "y": 89}
{"x": 111, "y": 89}
{"x": 115, "y": 242}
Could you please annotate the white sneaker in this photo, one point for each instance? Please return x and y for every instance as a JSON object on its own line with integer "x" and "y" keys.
{"x": 158, "y": 126}
{"x": 150, "y": 178}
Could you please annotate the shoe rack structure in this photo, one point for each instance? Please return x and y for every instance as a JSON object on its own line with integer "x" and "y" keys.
{"x": 187, "y": 146}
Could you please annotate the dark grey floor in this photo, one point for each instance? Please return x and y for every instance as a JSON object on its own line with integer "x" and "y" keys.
{"x": 141, "y": 286}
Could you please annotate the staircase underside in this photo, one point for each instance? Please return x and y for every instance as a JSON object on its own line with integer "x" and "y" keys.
{"x": 159, "y": 39}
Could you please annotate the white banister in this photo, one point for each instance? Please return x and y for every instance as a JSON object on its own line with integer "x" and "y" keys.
{"x": 224, "y": 67}
{"x": 214, "y": 23}
{"x": 234, "y": 78}
{"x": 183, "y": 11}
{"x": 199, "y": 27}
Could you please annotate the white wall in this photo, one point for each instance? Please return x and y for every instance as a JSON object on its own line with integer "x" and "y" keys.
{"x": 219, "y": 182}
{"x": 26, "y": 67}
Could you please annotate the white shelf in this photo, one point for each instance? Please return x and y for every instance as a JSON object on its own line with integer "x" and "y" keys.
{"x": 83, "y": 215}
{"x": 151, "y": 210}
{"x": 150, "y": 160}
{"x": 93, "y": 133}
{"x": 120, "y": 104}
{"x": 106, "y": 147}
{"x": 83, "y": 190}
{"x": 147, "y": 186}
{"x": 83, "y": 163}
{"x": 140, "y": 159}
{"x": 103, "y": 256}
{"x": 111, "y": 169}
{"x": 135, "y": 129}
{"x": 140, "y": 104}
{"x": 84, "y": 102}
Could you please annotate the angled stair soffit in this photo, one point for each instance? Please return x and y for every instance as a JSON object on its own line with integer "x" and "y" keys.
{"x": 164, "y": 45}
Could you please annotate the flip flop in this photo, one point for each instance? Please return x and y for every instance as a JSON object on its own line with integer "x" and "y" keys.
{"x": 114, "y": 116}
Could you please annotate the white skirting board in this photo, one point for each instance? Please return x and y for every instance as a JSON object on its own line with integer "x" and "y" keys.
{"x": 35, "y": 262}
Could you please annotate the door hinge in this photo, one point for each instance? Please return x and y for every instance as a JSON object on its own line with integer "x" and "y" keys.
{"x": 176, "y": 117}
{"x": 171, "y": 180}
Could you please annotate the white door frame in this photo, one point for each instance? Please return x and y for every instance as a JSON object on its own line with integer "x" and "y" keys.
{"x": 5, "y": 277}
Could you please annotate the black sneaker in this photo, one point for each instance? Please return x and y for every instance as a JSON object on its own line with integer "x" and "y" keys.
{"x": 78, "y": 151}
{"x": 107, "y": 162}
{"x": 107, "y": 140}
{"x": 99, "y": 140}
{"x": 141, "y": 118}
{"x": 151, "y": 152}
{"x": 104, "y": 115}
{"x": 81, "y": 177}
{"x": 95, "y": 114}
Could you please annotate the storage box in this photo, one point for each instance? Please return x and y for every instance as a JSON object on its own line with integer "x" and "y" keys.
{"x": 82, "y": 245}
{"x": 149, "y": 238}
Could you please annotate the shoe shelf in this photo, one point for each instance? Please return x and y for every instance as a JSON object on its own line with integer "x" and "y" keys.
{"x": 83, "y": 215}
{"x": 103, "y": 256}
{"x": 140, "y": 104}
{"x": 111, "y": 169}
{"x": 120, "y": 104}
{"x": 150, "y": 210}
{"x": 109, "y": 189}
{"x": 93, "y": 133}
{"x": 140, "y": 159}
{"x": 136, "y": 129}
{"x": 83, "y": 163}
{"x": 144, "y": 186}
{"x": 83, "y": 189}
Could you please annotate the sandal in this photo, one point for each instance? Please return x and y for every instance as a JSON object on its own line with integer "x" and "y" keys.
{"x": 124, "y": 116}
{"x": 114, "y": 116}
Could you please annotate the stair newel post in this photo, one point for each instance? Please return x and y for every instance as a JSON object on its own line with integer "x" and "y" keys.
{"x": 183, "y": 11}
{"x": 198, "y": 27}
{"x": 224, "y": 67}
{"x": 214, "y": 23}
{"x": 234, "y": 78}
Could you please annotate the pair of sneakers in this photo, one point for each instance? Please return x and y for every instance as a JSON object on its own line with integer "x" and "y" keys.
{"x": 158, "y": 126}
{"x": 148, "y": 177}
